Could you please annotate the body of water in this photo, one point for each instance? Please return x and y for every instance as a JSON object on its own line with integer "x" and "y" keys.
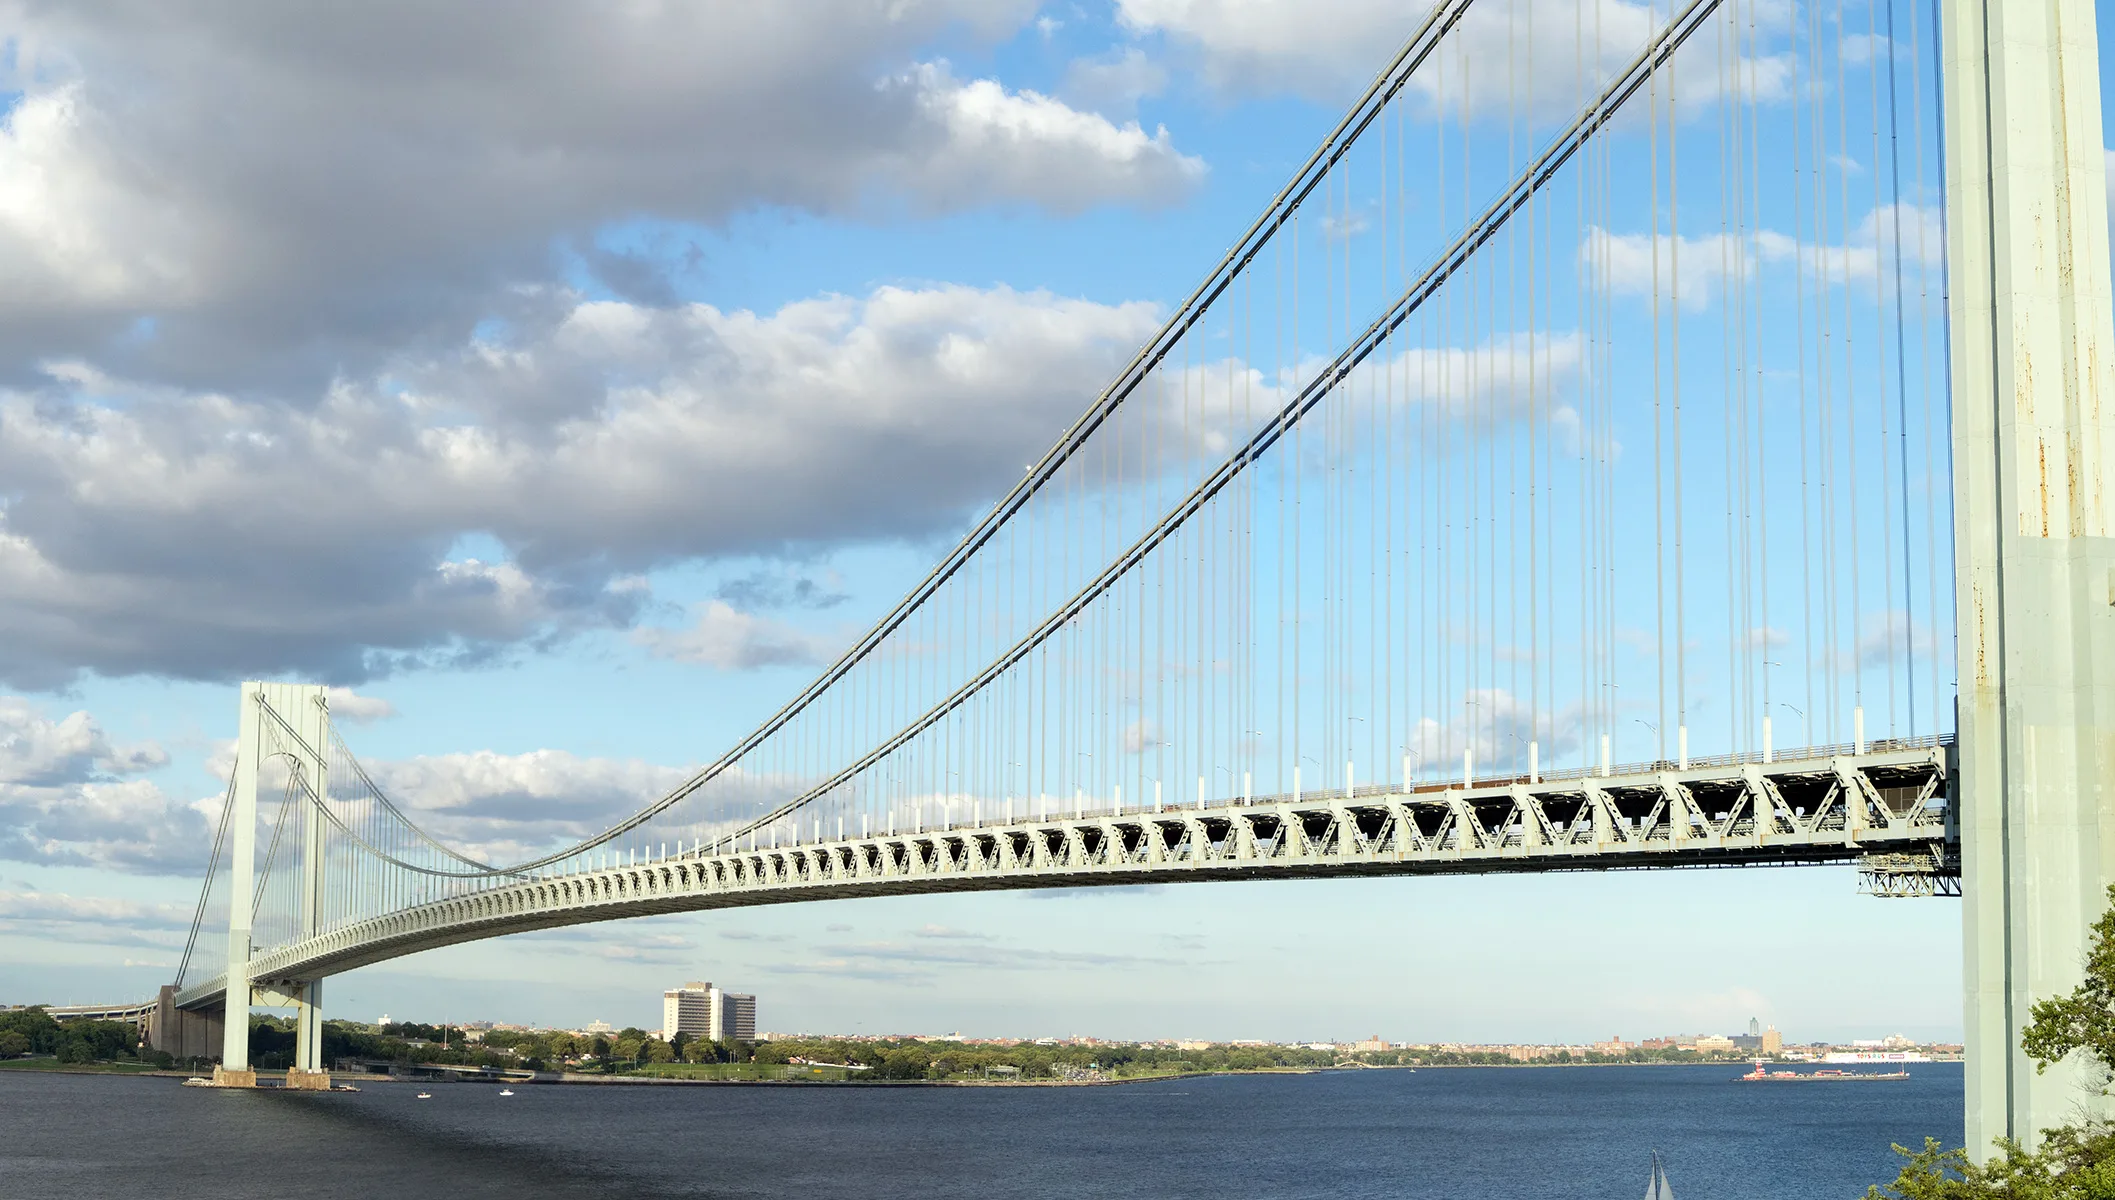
{"x": 1454, "y": 1134}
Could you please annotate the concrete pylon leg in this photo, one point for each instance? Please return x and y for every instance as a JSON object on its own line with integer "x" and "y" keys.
{"x": 234, "y": 1069}
{"x": 308, "y": 1027}
{"x": 298, "y": 731}
{"x": 2032, "y": 340}
{"x": 307, "y": 1073}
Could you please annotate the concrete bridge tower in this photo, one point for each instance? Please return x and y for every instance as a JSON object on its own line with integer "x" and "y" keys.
{"x": 2033, "y": 345}
{"x": 299, "y": 734}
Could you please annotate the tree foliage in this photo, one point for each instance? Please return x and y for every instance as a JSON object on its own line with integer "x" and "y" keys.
{"x": 2075, "y": 1162}
{"x": 34, "y": 1026}
{"x": 2084, "y": 1021}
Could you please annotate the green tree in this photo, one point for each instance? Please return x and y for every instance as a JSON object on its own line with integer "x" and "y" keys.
{"x": 907, "y": 1063}
{"x": 12, "y": 1044}
{"x": 34, "y": 1024}
{"x": 2083, "y": 1021}
{"x": 2075, "y": 1162}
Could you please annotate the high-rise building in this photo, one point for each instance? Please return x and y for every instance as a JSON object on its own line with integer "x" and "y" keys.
{"x": 1754, "y": 1027}
{"x": 734, "y": 1016}
{"x": 687, "y": 1009}
{"x": 704, "y": 1011}
{"x": 1773, "y": 1042}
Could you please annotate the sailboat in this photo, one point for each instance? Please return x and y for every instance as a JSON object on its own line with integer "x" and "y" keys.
{"x": 1657, "y": 1188}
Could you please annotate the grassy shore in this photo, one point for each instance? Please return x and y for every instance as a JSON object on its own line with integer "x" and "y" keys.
{"x": 93, "y": 1068}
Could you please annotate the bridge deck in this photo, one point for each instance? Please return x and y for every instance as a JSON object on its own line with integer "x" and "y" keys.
{"x": 1818, "y": 808}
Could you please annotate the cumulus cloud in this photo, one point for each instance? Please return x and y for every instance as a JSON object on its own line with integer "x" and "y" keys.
{"x": 297, "y": 303}
{"x": 58, "y": 906}
{"x": 1691, "y": 271}
{"x": 1698, "y": 270}
{"x": 95, "y": 920}
{"x": 1542, "y": 57}
{"x": 1495, "y": 726}
{"x": 1114, "y": 82}
{"x": 285, "y": 195}
{"x": 732, "y": 640}
{"x": 1031, "y": 146}
{"x": 70, "y": 796}
{"x": 509, "y": 807}
{"x": 207, "y": 536}
{"x": 347, "y": 705}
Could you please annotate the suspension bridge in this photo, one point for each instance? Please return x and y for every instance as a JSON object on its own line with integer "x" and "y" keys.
{"x": 1638, "y": 436}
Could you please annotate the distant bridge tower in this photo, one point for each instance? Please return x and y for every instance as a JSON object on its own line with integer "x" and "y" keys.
{"x": 300, "y": 737}
{"x": 2033, "y": 345}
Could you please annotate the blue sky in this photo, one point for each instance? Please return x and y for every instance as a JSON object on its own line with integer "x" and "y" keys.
{"x": 314, "y": 330}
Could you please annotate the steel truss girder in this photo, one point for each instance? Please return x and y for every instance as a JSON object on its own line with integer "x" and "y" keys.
{"x": 1835, "y": 808}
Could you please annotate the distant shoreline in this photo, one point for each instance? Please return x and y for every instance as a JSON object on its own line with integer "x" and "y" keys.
{"x": 570, "y": 1078}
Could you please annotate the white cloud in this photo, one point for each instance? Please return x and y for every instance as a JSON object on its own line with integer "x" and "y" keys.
{"x": 348, "y": 706}
{"x": 225, "y": 199}
{"x": 508, "y": 807}
{"x": 205, "y": 535}
{"x": 1500, "y": 379}
{"x": 1140, "y": 736}
{"x": 1024, "y": 145}
{"x": 1691, "y": 271}
{"x": 36, "y": 751}
{"x": 1496, "y": 727}
{"x": 69, "y": 795}
{"x": 57, "y": 906}
{"x": 1704, "y": 266}
{"x": 732, "y": 640}
{"x": 95, "y": 920}
{"x": 1114, "y": 82}
{"x": 1542, "y": 57}
{"x": 1858, "y": 49}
